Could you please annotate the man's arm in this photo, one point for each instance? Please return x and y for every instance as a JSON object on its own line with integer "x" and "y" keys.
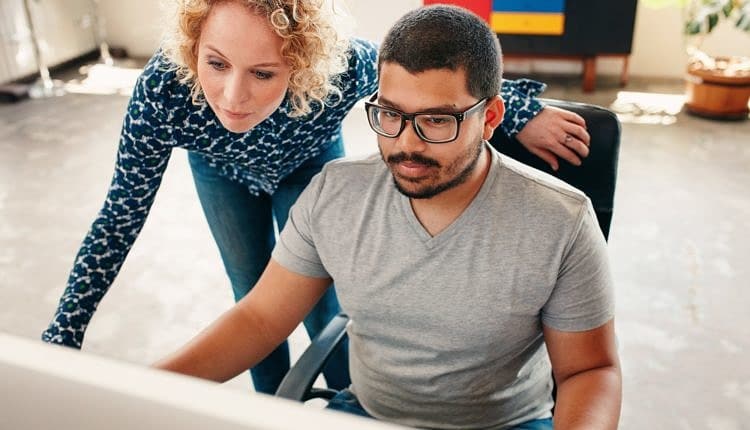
{"x": 251, "y": 329}
{"x": 587, "y": 372}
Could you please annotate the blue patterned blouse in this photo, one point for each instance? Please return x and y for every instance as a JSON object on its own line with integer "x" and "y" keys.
{"x": 160, "y": 117}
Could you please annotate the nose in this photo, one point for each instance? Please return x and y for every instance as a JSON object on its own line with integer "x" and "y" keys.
{"x": 237, "y": 90}
{"x": 409, "y": 140}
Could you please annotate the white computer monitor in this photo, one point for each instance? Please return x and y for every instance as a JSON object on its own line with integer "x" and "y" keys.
{"x": 50, "y": 387}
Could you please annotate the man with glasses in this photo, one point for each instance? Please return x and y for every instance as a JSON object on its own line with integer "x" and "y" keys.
{"x": 466, "y": 282}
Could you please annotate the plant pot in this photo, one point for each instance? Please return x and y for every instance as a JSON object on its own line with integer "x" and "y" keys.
{"x": 719, "y": 88}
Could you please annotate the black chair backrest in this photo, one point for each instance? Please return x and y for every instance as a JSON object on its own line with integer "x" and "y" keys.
{"x": 597, "y": 174}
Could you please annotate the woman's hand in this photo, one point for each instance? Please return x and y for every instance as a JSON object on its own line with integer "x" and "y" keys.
{"x": 556, "y": 133}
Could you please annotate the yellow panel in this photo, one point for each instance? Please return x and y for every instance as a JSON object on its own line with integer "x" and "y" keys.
{"x": 528, "y": 23}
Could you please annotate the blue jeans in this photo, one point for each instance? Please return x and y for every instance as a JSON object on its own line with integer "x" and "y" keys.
{"x": 540, "y": 424}
{"x": 346, "y": 401}
{"x": 242, "y": 225}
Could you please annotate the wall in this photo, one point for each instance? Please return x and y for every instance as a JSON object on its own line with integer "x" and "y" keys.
{"x": 658, "y": 46}
{"x": 135, "y": 25}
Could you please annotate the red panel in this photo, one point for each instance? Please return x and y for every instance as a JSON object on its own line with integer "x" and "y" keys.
{"x": 479, "y": 7}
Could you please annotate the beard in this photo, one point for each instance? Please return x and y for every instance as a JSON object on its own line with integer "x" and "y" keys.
{"x": 458, "y": 171}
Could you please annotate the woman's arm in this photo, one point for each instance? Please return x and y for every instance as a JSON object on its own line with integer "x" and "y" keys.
{"x": 141, "y": 161}
{"x": 546, "y": 131}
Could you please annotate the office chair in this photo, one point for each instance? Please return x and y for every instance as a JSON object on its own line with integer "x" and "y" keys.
{"x": 596, "y": 177}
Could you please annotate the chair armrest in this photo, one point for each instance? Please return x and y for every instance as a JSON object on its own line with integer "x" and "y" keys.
{"x": 297, "y": 384}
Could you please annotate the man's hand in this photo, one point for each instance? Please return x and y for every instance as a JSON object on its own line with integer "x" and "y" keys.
{"x": 556, "y": 133}
{"x": 251, "y": 329}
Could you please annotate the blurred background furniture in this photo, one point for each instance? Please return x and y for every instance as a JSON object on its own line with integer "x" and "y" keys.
{"x": 36, "y": 35}
{"x": 578, "y": 30}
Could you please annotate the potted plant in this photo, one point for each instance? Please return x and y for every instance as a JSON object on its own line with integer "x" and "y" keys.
{"x": 717, "y": 87}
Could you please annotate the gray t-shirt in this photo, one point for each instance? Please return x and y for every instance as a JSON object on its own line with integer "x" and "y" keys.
{"x": 446, "y": 331}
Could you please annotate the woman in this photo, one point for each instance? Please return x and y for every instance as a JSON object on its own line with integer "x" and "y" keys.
{"x": 255, "y": 91}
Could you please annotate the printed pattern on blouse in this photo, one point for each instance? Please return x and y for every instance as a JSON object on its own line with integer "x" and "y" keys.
{"x": 521, "y": 104}
{"x": 161, "y": 117}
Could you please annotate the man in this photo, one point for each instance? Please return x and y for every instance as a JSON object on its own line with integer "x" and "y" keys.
{"x": 464, "y": 282}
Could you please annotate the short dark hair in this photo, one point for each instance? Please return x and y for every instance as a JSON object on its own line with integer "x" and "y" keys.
{"x": 446, "y": 37}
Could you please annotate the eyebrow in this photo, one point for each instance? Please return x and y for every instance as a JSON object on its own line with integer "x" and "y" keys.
{"x": 437, "y": 109}
{"x": 266, "y": 64}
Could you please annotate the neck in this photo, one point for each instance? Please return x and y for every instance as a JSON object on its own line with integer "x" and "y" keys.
{"x": 439, "y": 212}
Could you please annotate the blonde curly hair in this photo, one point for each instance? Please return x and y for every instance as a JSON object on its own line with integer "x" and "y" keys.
{"x": 312, "y": 47}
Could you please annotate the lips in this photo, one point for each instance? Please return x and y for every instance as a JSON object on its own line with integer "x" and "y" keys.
{"x": 235, "y": 115}
{"x": 412, "y": 170}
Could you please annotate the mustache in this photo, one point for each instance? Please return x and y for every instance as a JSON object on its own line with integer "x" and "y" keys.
{"x": 413, "y": 158}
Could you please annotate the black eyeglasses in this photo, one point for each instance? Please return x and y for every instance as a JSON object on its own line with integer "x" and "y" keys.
{"x": 432, "y": 127}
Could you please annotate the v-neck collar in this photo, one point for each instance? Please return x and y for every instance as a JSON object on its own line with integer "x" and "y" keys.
{"x": 465, "y": 217}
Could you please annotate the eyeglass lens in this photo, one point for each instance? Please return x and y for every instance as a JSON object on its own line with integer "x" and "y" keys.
{"x": 431, "y": 127}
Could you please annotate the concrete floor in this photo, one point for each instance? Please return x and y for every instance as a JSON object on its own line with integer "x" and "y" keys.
{"x": 679, "y": 247}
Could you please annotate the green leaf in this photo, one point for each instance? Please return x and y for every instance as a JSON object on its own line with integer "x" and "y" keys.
{"x": 692, "y": 27}
{"x": 727, "y": 9}
{"x": 713, "y": 19}
{"x": 702, "y": 16}
{"x": 743, "y": 22}
{"x": 743, "y": 19}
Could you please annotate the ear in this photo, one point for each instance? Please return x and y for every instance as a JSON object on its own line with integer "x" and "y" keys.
{"x": 495, "y": 109}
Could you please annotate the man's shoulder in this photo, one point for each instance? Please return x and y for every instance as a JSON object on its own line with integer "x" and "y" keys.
{"x": 350, "y": 176}
{"x": 519, "y": 175}
{"x": 536, "y": 198}
{"x": 354, "y": 167}
{"x": 541, "y": 208}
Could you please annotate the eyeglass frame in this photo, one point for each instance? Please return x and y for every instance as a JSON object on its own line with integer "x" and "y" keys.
{"x": 460, "y": 117}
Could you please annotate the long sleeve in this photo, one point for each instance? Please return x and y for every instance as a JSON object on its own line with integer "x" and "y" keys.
{"x": 361, "y": 78}
{"x": 141, "y": 160}
{"x": 521, "y": 103}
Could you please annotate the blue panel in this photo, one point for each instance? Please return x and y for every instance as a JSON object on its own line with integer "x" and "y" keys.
{"x": 536, "y": 6}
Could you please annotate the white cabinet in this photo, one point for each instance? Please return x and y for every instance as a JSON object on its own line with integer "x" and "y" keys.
{"x": 16, "y": 50}
{"x": 64, "y": 28}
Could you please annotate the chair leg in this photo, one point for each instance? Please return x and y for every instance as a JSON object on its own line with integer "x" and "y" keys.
{"x": 624, "y": 73}
{"x": 589, "y": 74}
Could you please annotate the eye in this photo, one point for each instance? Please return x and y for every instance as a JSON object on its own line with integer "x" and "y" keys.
{"x": 217, "y": 65}
{"x": 438, "y": 120}
{"x": 263, "y": 75}
{"x": 387, "y": 114}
